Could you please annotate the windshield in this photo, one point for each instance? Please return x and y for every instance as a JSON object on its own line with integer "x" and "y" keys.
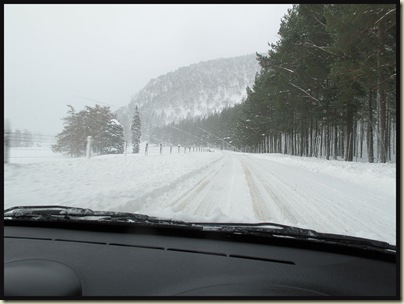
{"x": 272, "y": 113}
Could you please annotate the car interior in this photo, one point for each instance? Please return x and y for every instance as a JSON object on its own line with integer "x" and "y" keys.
{"x": 99, "y": 260}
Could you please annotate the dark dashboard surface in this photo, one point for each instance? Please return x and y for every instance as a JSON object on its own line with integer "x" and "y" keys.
{"x": 41, "y": 261}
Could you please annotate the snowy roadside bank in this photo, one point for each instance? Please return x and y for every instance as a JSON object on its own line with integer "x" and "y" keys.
{"x": 381, "y": 176}
{"x": 110, "y": 182}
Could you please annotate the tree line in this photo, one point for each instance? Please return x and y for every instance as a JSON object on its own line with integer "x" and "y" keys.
{"x": 326, "y": 88}
{"x": 102, "y": 125}
{"x": 18, "y": 138}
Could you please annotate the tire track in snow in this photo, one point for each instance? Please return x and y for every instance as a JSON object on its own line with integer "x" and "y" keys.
{"x": 198, "y": 192}
{"x": 245, "y": 188}
{"x": 267, "y": 204}
{"x": 224, "y": 192}
{"x": 296, "y": 203}
{"x": 259, "y": 207}
{"x": 157, "y": 194}
{"x": 318, "y": 202}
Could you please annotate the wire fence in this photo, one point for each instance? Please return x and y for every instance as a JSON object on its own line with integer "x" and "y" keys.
{"x": 42, "y": 151}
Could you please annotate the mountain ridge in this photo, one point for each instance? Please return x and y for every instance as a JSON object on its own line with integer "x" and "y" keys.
{"x": 197, "y": 90}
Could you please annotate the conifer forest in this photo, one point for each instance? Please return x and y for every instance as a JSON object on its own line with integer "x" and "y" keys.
{"x": 326, "y": 88}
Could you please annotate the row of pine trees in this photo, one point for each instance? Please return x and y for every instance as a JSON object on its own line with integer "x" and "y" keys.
{"x": 326, "y": 88}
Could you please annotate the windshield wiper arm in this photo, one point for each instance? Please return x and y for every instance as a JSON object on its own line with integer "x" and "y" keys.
{"x": 267, "y": 229}
{"x": 64, "y": 213}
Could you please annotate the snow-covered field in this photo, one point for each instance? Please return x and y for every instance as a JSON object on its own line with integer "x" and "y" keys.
{"x": 356, "y": 199}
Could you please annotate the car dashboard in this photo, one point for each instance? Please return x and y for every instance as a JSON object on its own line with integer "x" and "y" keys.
{"x": 85, "y": 261}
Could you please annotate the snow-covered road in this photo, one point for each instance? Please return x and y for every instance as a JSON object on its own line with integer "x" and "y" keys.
{"x": 328, "y": 196}
{"x": 255, "y": 188}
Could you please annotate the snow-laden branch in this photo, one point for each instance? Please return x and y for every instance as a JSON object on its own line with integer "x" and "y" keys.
{"x": 279, "y": 67}
{"x": 314, "y": 16}
{"x": 305, "y": 92}
{"x": 319, "y": 47}
{"x": 385, "y": 15}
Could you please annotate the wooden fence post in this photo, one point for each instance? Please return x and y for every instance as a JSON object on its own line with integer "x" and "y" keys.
{"x": 6, "y": 146}
{"x": 88, "y": 147}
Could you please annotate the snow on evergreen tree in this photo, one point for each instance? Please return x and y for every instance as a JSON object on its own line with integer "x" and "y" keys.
{"x": 114, "y": 137}
{"x": 107, "y": 136}
{"x": 136, "y": 131}
{"x": 71, "y": 140}
{"x": 97, "y": 120}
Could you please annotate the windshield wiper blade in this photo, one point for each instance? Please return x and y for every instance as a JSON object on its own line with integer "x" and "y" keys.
{"x": 43, "y": 211}
{"x": 268, "y": 229}
{"x": 64, "y": 213}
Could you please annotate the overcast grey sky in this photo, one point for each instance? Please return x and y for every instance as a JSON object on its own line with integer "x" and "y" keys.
{"x": 57, "y": 54}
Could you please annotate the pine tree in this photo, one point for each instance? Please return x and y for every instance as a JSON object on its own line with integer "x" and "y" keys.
{"x": 324, "y": 88}
{"x": 136, "y": 131}
{"x": 94, "y": 122}
{"x": 72, "y": 139}
{"x": 96, "y": 125}
{"x": 114, "y": 138}
{"x": 365, "y": 40}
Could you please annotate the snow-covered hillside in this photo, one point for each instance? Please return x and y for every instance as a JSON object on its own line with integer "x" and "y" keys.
{"x": 196, "y": 90}
{"x": 356, "y": 199}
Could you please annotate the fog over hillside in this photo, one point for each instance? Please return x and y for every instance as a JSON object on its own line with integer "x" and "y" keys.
{"x": 192, "y": 91}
